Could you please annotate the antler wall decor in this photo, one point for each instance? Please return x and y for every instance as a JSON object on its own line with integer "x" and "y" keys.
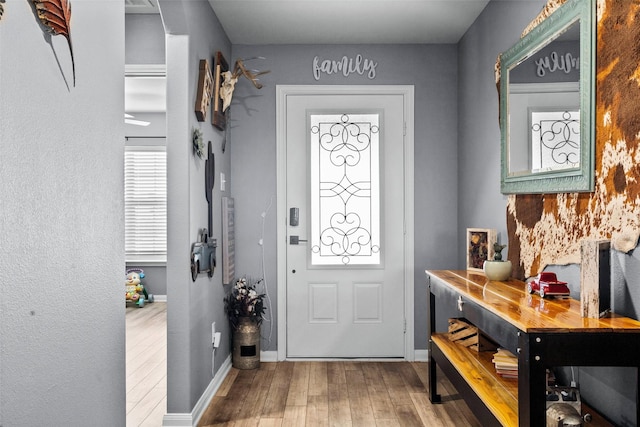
{"x": 225, "y": 83}
{"x": 230, "y": 78}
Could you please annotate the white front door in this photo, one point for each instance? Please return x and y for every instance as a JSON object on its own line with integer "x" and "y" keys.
{"x": 345, "y": 256}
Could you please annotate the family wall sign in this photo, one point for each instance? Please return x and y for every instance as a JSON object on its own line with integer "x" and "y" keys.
{"x": 345, "y": 66}
{"x": 555, "y": 61}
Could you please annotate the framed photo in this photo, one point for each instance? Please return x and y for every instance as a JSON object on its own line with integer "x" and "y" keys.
{"x": 479, "y": 247}
{"x": 218, "y": 118}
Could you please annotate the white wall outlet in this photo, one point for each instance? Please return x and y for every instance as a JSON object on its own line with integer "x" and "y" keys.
{"x": 216, "y": 339}
{"x": 213, "y": 332}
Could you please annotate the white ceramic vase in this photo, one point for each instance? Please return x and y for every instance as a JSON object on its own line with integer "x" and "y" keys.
{"x": 497, "y": 270}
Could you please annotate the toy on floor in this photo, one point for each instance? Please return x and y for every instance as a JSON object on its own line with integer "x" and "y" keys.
{"x": 135, "y": 291}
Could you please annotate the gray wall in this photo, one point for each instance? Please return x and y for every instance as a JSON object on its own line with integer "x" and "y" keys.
{"x": 480, "y": 203}
{"x": 431, "y": 69}
{"x": 144, "y": 39}
{"x": 62, "y": 340}
{"x": 193, "y": 33}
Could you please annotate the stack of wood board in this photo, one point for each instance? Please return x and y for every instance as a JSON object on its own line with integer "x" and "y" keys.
{"x": 506, "y": 363}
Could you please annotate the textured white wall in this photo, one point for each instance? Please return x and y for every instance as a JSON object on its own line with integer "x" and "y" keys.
{"x": 62, "y": 343}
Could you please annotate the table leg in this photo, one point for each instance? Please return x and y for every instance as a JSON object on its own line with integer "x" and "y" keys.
{"x": 532, "y": 385}
{"x": 434, "y": 397}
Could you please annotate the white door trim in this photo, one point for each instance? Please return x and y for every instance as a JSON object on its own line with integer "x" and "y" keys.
{"x": 282, "y": 91}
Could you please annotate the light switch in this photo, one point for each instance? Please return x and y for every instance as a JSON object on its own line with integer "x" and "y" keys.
{"x": 222, "y": 182}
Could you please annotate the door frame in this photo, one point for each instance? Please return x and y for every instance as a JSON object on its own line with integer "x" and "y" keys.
{"x": 282, "y": 92}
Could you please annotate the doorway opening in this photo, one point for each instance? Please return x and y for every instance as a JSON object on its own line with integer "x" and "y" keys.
{"x": 145, "y": 205}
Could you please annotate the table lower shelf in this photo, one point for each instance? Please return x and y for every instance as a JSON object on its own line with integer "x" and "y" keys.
{"x": 499, "y": 395}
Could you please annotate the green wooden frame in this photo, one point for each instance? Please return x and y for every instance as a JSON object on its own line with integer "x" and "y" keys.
{"x": 579, "y": 179}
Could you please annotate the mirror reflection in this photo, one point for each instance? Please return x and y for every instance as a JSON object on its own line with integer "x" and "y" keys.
{"x": 546, "y": 106}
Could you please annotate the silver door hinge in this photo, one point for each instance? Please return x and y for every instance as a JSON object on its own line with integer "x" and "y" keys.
{"x": 404, "y": 128}
{"x": 405, "y": 326}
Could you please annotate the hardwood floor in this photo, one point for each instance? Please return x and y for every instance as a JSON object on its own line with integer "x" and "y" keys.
{"x": 146, "y": 331}
{"x": 294, "y": 394}
{"x": 334, "y": 394}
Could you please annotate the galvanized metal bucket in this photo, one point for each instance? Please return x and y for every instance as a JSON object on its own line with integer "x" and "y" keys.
{"x": 246, "y": 344}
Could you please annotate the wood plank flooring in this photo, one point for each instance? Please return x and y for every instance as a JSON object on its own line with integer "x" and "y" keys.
{"x": 339, "y": 393}
{"x": 294, "y": 394}
{"x": 146, "y": 332}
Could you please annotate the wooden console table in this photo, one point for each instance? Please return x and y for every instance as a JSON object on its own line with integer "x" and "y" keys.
{"x": 543, "y": 333}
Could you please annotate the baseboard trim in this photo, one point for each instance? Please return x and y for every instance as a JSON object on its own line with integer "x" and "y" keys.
{"x": 268, "y": 356}
{"x": 160, "y": 298}
{"x": 192, "y": 419}
{"x": 183, "y": 420}
{"x": 421, "y": 355}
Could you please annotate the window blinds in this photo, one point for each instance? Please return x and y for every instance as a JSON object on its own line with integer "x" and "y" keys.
{"x": 145, "y": 200}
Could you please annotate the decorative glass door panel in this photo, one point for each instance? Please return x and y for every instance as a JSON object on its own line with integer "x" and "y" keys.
{"x": 555, "y": 140}
{"x": 345, "y": 189}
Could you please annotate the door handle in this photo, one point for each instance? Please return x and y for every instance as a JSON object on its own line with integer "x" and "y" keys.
{"x": 294, "y": 240}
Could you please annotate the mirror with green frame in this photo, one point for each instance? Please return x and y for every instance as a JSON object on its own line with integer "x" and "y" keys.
{"x": 547, "y": 106}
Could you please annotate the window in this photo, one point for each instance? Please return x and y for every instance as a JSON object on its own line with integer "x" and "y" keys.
{"x": 555, "y": 140}
{"x": 345, "y": 189}
{"x": 145, "y": 203}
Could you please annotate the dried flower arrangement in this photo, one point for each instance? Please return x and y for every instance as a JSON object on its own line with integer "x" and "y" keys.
{"x": 244, "y": 301}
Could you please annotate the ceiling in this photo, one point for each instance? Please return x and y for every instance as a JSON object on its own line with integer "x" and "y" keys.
{"x": 141, "y": 6}
{"x": 338, "y": 21}
{"x": 346, "y": 21}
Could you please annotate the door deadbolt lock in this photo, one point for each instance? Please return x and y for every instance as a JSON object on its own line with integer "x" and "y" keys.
{"x": 294, "y": 217}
